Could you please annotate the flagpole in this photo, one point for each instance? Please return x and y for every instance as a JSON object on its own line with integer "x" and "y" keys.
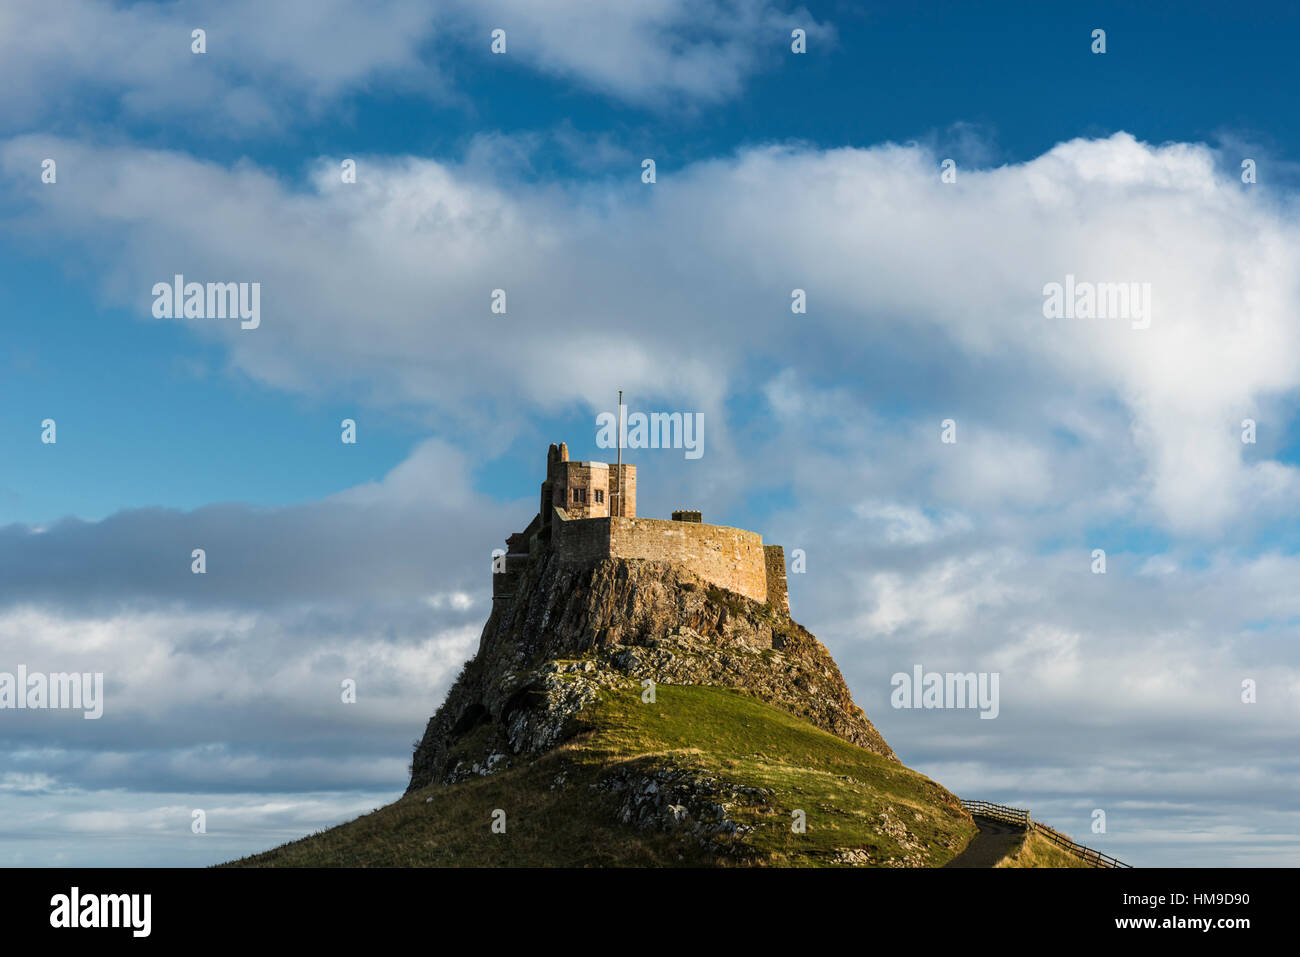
{"x": 618, "y": 426}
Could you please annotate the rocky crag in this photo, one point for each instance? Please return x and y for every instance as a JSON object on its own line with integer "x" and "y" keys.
{"x": 569, "y": 633}
{"x": 626, "y": 712}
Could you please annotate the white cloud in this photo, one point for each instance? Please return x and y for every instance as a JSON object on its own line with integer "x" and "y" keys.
{"x": 388, "y": 282}
{"x": 925, "y": 303}
{"x": 236, "y": 679}
{"x": 14, "y": 781}
{"x": 946, "y": 600}
{"x": 264, "y": 61}
{"x": 899, "y": 524}
{"x": 652, "y": 52}
{"x": 268, "y": 63}
{"x": 150, "y": 829}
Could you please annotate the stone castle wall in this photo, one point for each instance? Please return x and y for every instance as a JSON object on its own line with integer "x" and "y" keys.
{"x": 599, "y": 523}
{"x": 731, "y": 558}
{"x": 581, "y": 542}
{"x": 506, "y": 580}
{"x": 777, "y": 594}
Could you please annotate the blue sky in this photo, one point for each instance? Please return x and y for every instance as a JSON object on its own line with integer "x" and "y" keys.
{"x": 775, "y": 171}
{"x": 953, "y": 76}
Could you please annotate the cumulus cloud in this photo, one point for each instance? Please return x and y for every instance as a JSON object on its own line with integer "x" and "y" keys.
{"x": 75, "y": 828}
{"x": 925, "y": 303}
{"x": 269, "y": 64}
{"x": 648, "y": 286}
{"x": 221, "y": 687}
{"x": 263, "y": 61}
{"x": 386, "y": 284}
{"x": 369, "y": 543}
{"x": 224, "y": 691}
{"x": 653, "y": 52}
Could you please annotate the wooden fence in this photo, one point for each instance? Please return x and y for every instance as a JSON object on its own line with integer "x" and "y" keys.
{"x": 1020, "y": 818}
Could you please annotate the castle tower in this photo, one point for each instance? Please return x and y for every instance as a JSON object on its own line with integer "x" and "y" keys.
{"x": 585, "y": 489}
{"x": 579, "y": 522}
{"x": 622, "y": 489}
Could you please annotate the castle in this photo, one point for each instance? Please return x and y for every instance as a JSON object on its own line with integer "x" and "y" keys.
{"x": 588, "y": 513}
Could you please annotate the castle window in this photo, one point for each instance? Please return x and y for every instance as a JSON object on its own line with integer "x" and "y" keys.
{"x": 600, "y": 495}
{"x": 580, "y": 495}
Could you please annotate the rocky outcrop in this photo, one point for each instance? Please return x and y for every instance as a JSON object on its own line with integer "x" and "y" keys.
{"x": 569, "y": 632}
{"x": 683, "y": 800}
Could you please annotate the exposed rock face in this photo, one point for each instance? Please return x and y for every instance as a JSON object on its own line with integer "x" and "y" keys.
{"x": 672, "y": 798}
{"x": 568, "y": 632}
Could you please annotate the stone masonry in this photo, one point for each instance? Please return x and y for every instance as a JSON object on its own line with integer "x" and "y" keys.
{"x": 583, "y": 521}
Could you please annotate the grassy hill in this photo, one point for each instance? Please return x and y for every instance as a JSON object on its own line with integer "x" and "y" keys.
{"x": 1038, "y": 851}
{"x": 702, "y": 776}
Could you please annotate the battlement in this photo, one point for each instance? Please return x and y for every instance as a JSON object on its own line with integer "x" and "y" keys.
{"x": 585, "y": 519}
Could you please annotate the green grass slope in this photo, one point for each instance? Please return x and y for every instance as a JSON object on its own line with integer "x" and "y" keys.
{"x": 609, "y": 796}
{"x": 1038, "y": 851}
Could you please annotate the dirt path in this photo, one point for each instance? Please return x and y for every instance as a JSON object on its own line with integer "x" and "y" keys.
{"x": 994, "y": 841}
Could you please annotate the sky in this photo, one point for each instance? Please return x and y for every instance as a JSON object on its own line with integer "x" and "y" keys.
{"x": 523, "y": 171}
